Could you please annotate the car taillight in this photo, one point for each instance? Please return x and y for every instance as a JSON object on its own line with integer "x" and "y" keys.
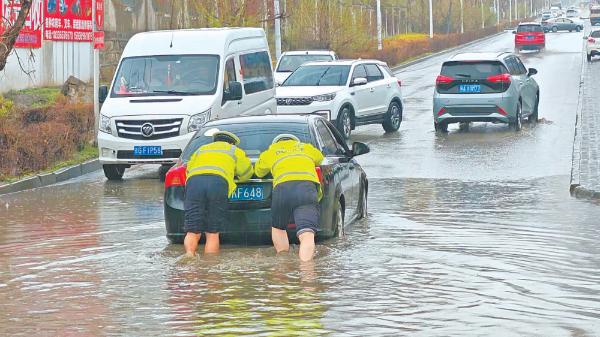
{"x": 441, "y": 112}
{"x": 502, "y": 111}
{"x": 399, "y": 83}
{"x": 319, "y": 174}
{"x": 501, "y": 78}
{"x": 591, "y": 40}
{"x": 441, "y": 79}
{"x": 176, "y": 176}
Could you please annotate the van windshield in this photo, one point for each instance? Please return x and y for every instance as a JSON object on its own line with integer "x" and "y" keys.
{"x": 167, "y": 75}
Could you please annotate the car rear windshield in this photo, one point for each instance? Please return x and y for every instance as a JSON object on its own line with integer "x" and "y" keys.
{"x": 290, "y": 63}
{"x": 318, "y": 75}
{"x": 595, "y": 33}
{"x": 254, "y": 137}
{"x": 473, "y": 70}
{"x": 530, "y": 29}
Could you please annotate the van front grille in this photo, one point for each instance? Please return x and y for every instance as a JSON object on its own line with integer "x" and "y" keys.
{"x": 149, "y": 129}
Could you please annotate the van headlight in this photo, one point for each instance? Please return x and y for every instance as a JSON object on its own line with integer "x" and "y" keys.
{"x": 104, "y": 124}
{"x": 198, "y": 120}
{"x": 324, "y": 97}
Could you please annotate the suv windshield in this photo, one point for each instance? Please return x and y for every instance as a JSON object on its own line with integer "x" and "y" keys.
{"x": 530, "y": 29}
{"x": 473, "y": 70}
{"x": 167, "y": 75}
{"x": 290, "y": 63}
{"x": 318, "y": 75}
{"x": 254, "y": 137}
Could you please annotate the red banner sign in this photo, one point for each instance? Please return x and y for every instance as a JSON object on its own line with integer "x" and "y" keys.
{"x": 31, "y": 34}
{"x": 99, "y": 14}
{"x": 98, "y": 40}
{"x": 68, "y": 20}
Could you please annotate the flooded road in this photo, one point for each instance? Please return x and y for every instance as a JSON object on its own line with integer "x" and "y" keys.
{"x": 469, "y": 234}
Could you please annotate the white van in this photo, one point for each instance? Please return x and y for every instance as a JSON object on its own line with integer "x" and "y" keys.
{"x": 169, "y": 83}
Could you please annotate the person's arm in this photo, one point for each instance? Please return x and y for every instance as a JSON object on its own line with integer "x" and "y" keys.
{"x": 315, "y": 154}
{"x": 262, "y": 166}
{"x": 243, "y": 168}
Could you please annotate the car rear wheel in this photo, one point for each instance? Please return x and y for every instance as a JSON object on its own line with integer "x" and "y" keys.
{"x": 344, "y": 122}
{"x": 440, "y": 127}
{"x": 393, "y": 118}
{"x": 338, "y": 220}
{"x": 363, "y": 202}
{"x": 113, "y": 171}
{"x": 578, "y": 29}
{"x": 517, "y": 124}
{"x": 554, "y": 29}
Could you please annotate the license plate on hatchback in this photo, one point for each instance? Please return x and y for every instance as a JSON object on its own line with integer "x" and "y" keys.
{"x": 469, "y": 88}
{"x": 147, "y": 151}
{"x": 248, "y": 193}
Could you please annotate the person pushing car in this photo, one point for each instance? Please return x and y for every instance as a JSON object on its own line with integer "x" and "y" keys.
{"x": 296, "y": 191}
{"x": 210, "y": 182}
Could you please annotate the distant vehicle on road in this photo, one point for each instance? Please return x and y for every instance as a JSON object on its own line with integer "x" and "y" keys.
{"x": 593, "y": 44}
{"x": 291, "y": 60}
{"x": 347, "y": 92}
{"x": 546, "y": 15}
{"x": 595, "y": 15}
{"x": 572, "y": 13}
{"x": 169, "y": 83}
{"x": 558, "y": 24}
{"x": 529, "y": 36}
{"x": 344, "y": 182}
{"x": 485, "y": 87}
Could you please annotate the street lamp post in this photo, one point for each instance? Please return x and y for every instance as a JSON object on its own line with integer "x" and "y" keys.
{"x": 482, "y": 16}
{"x": 430, "y": 20}
{"x": 277, "y": 29}
{"x": 379, "y": 42}
{"x": 462, "y": 18}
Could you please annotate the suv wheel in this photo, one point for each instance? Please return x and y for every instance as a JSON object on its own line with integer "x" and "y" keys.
{"x": 518, "y": 122}
{"x": 440, "y": 127}
{"x": 344, "y": 122}
{"x": 393, "y": 118}
{"x": 113, "y": 171}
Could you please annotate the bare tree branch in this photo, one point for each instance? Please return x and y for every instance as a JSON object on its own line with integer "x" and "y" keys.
{"x": 9, "y": 37}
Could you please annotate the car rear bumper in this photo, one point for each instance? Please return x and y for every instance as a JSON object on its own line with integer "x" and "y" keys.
{"x": 530, "y": 46}
{"x": 455, "y": 108}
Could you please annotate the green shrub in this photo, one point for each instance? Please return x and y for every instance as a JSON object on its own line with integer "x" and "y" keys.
{"x": 6, "y": 106}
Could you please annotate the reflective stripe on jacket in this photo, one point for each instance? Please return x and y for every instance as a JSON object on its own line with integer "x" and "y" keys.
{"x": 290, "y": 160}
{"x": 223, "y": 159}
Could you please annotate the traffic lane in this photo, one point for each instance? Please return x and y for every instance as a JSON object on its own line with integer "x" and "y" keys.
{"x": 485, "y": 151}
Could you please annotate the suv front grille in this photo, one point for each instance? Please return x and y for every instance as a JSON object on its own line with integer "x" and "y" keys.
{"x": 153, "y": 129}
{"x": 294, "y": 101}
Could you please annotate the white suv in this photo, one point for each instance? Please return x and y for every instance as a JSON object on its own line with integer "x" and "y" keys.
{"x": 593, "y": 44}
{"x": 347, "y": 92}
{"x": 291, "y": 60}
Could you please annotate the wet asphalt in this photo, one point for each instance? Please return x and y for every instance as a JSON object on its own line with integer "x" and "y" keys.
{"x": 472, "y": 233}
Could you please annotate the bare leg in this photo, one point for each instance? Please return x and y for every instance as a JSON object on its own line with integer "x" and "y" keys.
{"x": 307, "y": 246}
{"x": 191, "y": 243}
{"x": 212, "y": 243}
{"x": 280, "y": 240}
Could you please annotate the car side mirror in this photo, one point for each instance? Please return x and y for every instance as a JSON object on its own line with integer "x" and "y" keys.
{"x": 531, "y": 72}
{"x": 359, "y": 148}
{"x": 234, "y": 93}
{"x": 102, "y": 93}
{"x": 358, "y": 81}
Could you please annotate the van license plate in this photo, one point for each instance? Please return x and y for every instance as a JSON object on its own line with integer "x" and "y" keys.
{"x": 147, "y": 151}
{"x": 248, "y": 193}
{"x": 469, "y": 88}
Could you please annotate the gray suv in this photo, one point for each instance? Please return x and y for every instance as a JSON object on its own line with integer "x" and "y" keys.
{"x": 485, "y": 87}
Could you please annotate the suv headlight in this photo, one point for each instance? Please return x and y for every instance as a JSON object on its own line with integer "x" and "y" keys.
{"x": 324, "y": 97}
{"x": 104, "y": 124}
{"x": 198, "y": 120}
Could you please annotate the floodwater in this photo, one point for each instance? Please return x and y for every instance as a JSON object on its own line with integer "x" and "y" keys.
{"x": 469, "y": 234}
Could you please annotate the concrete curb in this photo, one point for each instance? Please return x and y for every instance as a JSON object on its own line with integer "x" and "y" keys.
{"x": 449, "y": 50}
{"x": 47, "y": 179}
{"x": 575, "y": 185}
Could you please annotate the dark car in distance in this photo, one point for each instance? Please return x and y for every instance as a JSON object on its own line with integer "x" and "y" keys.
{"x": 558, "y": 24}
{"x": 345, "y": 184}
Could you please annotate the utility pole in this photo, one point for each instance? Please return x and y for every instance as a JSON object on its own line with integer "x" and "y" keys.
{"x": 482, "y": 16}
{"x": 510, "y": 11}
{"x": 516, "y": 9}
{"x": 277, "y": 29}
{"x": 96, "y": 67}
{"x": 430, "y": 19}
{"x": 379, "y": 42}
{"x": 462, "y": 18}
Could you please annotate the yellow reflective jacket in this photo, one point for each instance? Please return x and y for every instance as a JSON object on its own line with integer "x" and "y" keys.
{"x": 290, "y": 160}
{"x": 222, "y": 159}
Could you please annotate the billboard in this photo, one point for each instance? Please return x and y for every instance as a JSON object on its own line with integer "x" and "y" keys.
{"x": 68, "y": 20}
{"x": 31, "y": 34}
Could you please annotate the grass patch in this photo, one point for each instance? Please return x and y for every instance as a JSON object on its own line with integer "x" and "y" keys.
{"x": 408, "y": 37}
{"x": 88, "y": 152}
{"x": 34, "y": 97}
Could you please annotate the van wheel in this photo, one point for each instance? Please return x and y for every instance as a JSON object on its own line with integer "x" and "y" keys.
{"x": 517, "y": 124}
{"x": 113, "y": 171}
{"x": 440, "y": 127}
{"x": 344, "y": 122}
{"x": 338, "y": 220}
{"x": 393, "y": 118}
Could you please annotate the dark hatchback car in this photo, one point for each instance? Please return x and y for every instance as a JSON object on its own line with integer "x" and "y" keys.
{"x": 345, "y": 184}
